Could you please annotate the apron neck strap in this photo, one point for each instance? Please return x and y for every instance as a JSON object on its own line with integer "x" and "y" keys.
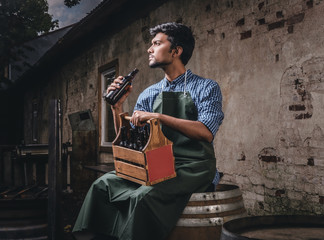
{"x": 185, "y": 84}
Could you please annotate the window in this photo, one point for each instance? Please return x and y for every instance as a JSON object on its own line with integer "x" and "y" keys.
{"x": 107, "y": 131}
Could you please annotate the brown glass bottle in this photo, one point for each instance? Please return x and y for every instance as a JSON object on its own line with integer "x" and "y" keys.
{"x": 113, "y": 96}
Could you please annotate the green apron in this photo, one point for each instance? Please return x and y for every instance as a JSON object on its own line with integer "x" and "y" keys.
{"x": 129, "y": 211}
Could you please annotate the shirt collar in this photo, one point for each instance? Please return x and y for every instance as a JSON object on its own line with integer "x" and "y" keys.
{"x": 178, "y": 80}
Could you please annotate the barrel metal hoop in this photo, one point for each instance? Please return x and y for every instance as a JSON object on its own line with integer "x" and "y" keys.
{"x": 209, "y": 209}
{"x": 203, "y": 222}
{"x": 215, "y": 195}
{"x": 200, "y": 222}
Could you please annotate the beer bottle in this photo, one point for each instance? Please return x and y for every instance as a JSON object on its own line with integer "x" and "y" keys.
{"x": 113, "y": 96}
{"x": 123, "y": 142}
{"x": 140, "y": 140}
{"x": 132, "y": 142}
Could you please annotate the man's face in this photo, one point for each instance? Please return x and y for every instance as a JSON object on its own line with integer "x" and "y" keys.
{"x": 159, "y": 53}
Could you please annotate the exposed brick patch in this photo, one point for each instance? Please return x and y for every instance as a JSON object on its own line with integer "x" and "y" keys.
{"x": 303, "y": 116}
{"x": 296, "y": 19}
{"x": 279, "y": 14}
{"x": 310, "y": 3}
{"x": 279, "y": 24}
{"x": 268, "y": 155}
{"x": 269, "y": 159}
{"x": 310, "y": 161}
{"x": 261, "y": 21}
{"x": 240, "y": 22}
{"x": 260, "y": 5}
{"x": 297, "y": 107}
{"x": 280, "y": 192}
{"x": 245, "y": 35}
{"x": 291, "y": 29}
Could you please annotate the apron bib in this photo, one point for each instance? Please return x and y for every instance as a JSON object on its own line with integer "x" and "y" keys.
{"x": 181, "y": 105}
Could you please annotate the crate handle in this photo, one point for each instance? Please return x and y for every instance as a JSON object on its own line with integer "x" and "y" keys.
{"x": 129, "y": 118}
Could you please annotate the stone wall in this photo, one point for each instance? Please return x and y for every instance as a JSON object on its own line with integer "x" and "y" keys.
{"x": 267, "y": 57}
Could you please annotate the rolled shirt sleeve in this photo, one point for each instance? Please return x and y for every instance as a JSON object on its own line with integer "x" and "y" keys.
{"x": 146, "y": 98}
{"x": 209, "y": 106}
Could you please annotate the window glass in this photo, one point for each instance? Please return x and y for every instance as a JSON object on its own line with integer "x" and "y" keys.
{"x": 107, "y": 124}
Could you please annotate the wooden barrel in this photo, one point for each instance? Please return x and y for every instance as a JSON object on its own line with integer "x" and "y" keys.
{"x": 274, "y": 227}
{"x": 206, "y": 212}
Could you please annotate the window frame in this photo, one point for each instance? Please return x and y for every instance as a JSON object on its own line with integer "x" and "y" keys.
{"x": 105, "y": 146}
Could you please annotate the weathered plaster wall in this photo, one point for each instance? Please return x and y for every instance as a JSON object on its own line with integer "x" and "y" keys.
{"x": 268, "y": 58}
{"x": 271, "y": 142}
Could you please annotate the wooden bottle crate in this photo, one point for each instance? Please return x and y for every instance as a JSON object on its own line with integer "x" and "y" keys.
{"x": 154, "y": 164}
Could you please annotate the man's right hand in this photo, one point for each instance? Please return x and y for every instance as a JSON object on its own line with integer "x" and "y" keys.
{"x": 115, "y": 85}
{"x": 117, "y": 108}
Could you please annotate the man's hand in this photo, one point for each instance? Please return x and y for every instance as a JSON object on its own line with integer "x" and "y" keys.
{"x": 115, "y": 85}
{"x": 139, "y": 118}
{"x": 117, "y": 108}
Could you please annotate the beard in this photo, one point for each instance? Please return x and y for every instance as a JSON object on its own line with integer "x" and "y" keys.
{"x": 156, "y": 64}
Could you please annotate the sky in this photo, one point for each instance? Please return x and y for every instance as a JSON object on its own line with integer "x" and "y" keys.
{"x": 68, "y": 16}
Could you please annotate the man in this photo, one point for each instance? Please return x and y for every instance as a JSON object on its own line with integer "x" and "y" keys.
{"x": 190, "y": 110}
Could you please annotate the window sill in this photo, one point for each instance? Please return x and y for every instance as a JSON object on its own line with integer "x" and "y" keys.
{"x": 107, "y": 149}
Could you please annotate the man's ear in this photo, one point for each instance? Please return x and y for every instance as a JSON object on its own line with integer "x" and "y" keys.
{"x": 177, "y": 51}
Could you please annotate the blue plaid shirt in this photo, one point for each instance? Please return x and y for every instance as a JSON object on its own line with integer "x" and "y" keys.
{"x": 205, "y": 93}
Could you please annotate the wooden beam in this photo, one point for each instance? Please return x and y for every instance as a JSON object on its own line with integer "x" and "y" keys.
{"x": 54, "y": 172}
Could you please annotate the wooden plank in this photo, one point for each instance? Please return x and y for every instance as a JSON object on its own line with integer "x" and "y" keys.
{"x": 129, "y": 155}
{"x": 55, "y": 230}
{"x": 131, "y": 170}
{"x": 132, "y": 179}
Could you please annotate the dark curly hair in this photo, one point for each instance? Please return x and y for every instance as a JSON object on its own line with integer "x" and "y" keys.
{"x": 179, "y": 35}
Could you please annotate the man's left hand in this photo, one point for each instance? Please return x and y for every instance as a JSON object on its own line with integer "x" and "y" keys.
{"x": 139, "y": 118}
